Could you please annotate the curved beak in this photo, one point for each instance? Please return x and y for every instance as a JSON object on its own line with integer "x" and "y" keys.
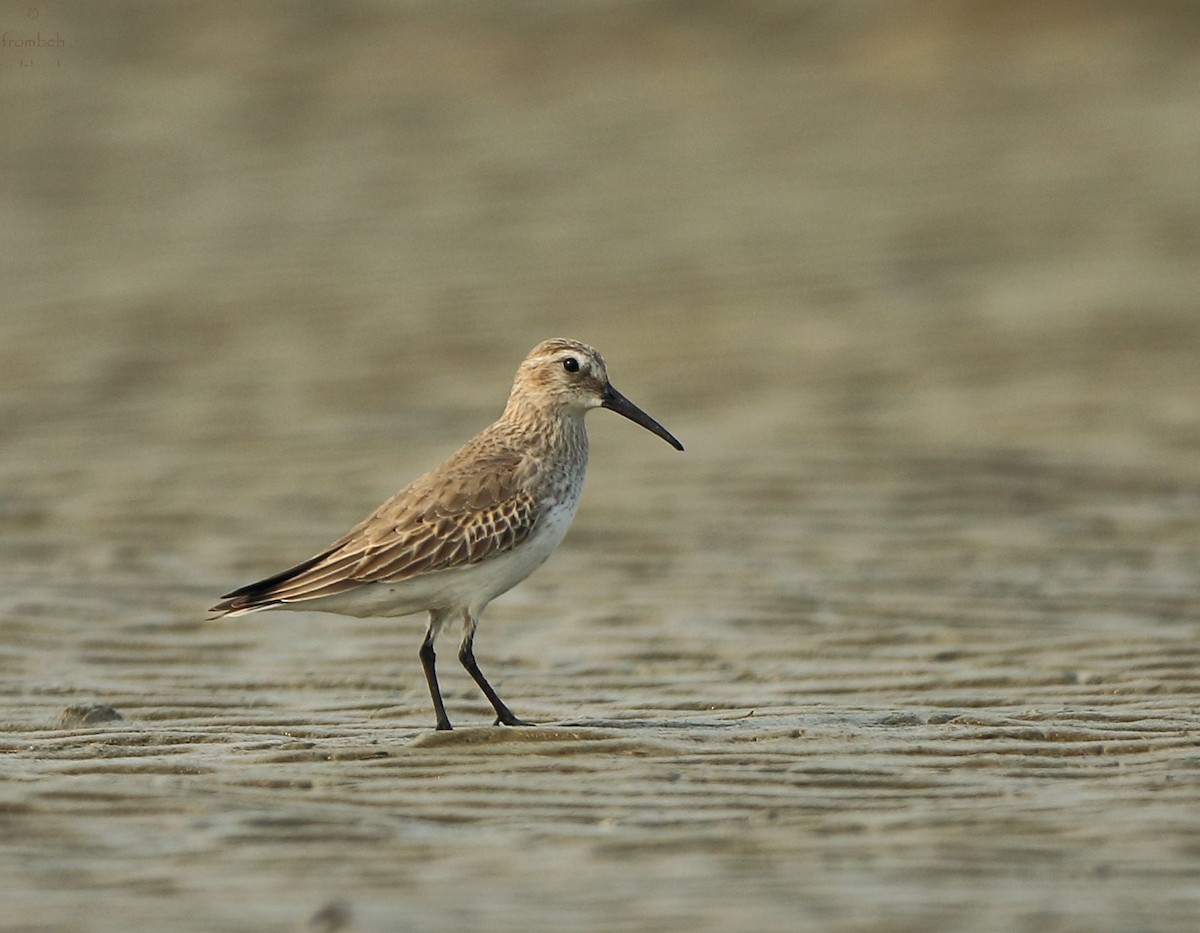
{"x": 615, "y": 401}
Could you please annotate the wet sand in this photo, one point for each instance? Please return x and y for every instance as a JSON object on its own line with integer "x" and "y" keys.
{"x": 906, "y": 640}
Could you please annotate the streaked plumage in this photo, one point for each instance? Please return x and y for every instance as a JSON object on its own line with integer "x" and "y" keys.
{"x": 457, "y": 537}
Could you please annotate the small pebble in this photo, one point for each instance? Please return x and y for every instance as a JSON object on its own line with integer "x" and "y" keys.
{"x": 74, "y": 716}
{"x": 332, "y": 917}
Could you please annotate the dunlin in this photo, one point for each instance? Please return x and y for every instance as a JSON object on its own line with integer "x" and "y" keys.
{"x": 456, "y": 538}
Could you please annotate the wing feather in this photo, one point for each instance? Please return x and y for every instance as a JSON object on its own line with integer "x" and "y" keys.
{"x": 470, "y": 509}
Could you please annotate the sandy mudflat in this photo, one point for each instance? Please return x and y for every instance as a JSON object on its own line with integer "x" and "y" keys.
{"x": 907, "y": 640}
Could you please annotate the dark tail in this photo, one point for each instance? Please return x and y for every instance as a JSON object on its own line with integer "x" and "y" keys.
{"x": 257, "y": 595}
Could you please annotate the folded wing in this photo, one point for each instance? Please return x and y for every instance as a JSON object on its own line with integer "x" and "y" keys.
{"x": 447, "y": 519}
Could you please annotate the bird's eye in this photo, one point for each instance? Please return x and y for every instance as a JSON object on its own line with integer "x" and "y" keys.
{"x": 571, "y": 365}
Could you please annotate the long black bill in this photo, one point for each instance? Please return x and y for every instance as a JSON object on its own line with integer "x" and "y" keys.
{"x": 615, "y": 401}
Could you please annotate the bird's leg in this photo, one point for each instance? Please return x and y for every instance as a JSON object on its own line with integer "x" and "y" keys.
{"x": 428, "y": 660}
{"x": 466, "y": 655}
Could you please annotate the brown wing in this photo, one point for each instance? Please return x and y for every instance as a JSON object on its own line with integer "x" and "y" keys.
{"x": 456, "y": 516}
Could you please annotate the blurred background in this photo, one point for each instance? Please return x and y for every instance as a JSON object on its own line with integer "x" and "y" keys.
{"x": 914, "y": 282}
{"x": 836, "y": 227}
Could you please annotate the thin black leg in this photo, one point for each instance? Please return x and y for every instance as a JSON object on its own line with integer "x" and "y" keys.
{"x": 428, "y": 660}
{"x": 466, "y": 654}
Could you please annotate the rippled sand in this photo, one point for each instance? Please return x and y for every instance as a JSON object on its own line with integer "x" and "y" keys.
{"x": 905, "y": 641}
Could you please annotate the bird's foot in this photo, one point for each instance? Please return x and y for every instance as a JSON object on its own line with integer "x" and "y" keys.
{"x": 508, "y": 719}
